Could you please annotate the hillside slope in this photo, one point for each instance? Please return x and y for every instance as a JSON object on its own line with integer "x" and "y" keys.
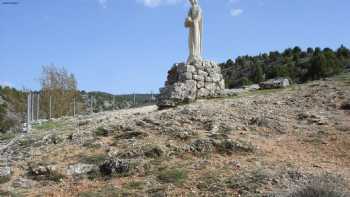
{"x": 257, "y": 144}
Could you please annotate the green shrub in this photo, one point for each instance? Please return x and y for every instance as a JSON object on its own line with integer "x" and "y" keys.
{"x": 100, "y": 131}
{"x": 135, "y": 185}
{"x": 7, "y": 136}
{"x": 93, "y": 159}
{"x": 175, "y": 176}
{"x": 48, "y": 125}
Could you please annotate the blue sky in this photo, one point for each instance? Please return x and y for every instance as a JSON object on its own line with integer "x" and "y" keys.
{"x": 121, "y": 46}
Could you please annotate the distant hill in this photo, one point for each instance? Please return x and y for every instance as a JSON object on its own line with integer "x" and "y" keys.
{"x": 295, "y": 64}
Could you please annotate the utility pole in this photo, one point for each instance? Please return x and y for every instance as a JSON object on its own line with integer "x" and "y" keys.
{"x": 113, "y": 102}
{"x": 32, "y": 106}
{"x": 50, "y": 115}
{"x": 134, "y": 99}
{"x": 92, "y": 104}
{"x": 29, "y": 105}
{"x": 38, "y": 107}
{"x": 74, "y": 108}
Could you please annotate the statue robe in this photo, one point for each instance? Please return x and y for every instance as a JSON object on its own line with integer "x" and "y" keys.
{"x": 195, "y": 34}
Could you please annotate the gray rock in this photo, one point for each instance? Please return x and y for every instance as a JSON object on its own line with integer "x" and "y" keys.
{"x": 275, "y": 83}
{"x": 5, "y": 174}
{"x": 202, "y": 73}
{"x": 185, "y": 83}
{"x": 202, "y": 92}
{"x": 119, "y": 166}
{"x": 81, "y": 137}
{"x": 202, "y": 146}
{"x": 24, "y": 183}
{"x": 79, "y": 169}
{"x": 200, "y": 84}
{"x": 44, "y": 172}
{"x": 252, "y": 87}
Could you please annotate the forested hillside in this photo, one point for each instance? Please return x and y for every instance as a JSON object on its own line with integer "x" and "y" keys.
{"x": 12, "y": 106}
{"x": 295, "y": 64}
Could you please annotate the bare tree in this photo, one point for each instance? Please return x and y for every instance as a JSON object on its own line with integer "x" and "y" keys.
{"x": 61, "y": 86}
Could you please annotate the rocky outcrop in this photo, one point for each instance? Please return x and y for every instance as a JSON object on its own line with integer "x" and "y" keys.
{"x": 186, "y": 83}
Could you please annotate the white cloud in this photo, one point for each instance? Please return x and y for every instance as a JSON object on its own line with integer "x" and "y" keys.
{"x": 236, "y": 12}
{"x": 156, "y": 3}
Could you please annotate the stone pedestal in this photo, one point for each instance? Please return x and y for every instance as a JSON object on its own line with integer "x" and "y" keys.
{"x": 186, "y": 83}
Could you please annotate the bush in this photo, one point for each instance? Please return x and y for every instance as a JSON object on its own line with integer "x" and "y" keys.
{"x": 93, "y": 159}
{"x": 100, "y": 131}
{"x": 6, "y": 136}
{"x": 323, "y": 186}
{"x": 176, "y": 176}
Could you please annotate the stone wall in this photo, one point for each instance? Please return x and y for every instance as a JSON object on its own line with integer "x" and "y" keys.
{"x": 186, "y": 83}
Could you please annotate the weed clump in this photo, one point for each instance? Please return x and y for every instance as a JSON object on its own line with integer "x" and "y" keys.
{"x": 101, "y": 132}
{"x": 175, "y": 176}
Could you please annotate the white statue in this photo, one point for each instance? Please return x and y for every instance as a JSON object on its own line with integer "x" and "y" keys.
{"x": 194, "y": 23}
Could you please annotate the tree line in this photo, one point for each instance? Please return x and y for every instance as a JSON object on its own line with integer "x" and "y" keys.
{"x": 293, "y": 63}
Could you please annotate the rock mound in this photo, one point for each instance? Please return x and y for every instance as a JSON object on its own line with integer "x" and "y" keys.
{"x": 186, "y": 83}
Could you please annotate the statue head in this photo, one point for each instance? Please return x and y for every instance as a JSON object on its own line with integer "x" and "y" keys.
{"x": 194, "y": 2}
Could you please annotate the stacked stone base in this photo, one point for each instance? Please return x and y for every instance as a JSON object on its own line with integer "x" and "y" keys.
{"x": 186, "y": 83}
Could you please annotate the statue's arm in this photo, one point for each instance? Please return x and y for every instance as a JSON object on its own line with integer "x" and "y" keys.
{"x": 189, "y": 20}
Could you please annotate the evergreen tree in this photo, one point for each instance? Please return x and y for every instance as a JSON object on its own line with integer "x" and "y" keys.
{"x": 259, "y": 74}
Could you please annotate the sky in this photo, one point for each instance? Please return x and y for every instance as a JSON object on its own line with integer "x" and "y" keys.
{"x": 124, "y": 46}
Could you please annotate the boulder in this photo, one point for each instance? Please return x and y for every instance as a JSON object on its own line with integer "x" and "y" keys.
{"x": 275, "y": 83}
{"x": 79, "y": 169}
{"x": 118, "y": 166}
{"x": 185, "y": 83}
{"x": 44, "y": 172}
